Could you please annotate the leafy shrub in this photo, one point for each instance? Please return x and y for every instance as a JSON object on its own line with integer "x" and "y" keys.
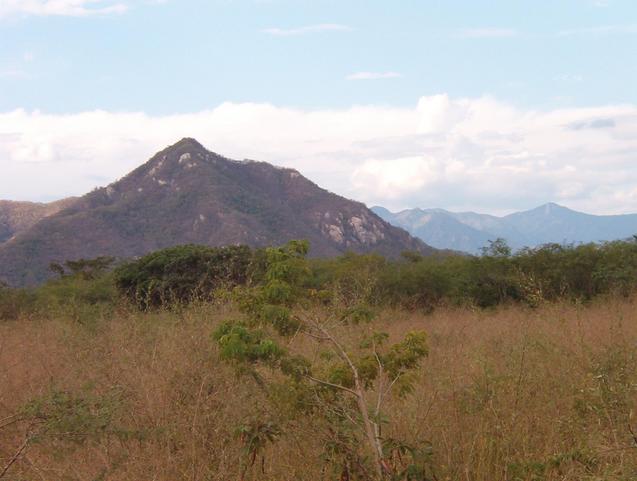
{"x": 183, "y": 273}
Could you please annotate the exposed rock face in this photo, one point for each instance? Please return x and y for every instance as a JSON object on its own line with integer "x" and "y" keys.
{"x": 362, "y": 229}
{"x": 186, "y": 194}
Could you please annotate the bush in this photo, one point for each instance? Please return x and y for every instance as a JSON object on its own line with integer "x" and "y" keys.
{"x": 184, "y": 273}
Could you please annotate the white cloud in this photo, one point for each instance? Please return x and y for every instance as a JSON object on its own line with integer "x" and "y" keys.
{"x": 322, "y": 27}
{"x": 74, "y": 8}
{"x": 372, "y": 75}
{"x": 460, "y": 153}
{"x": 394, "y": 178}
{"x": 487, "y": 33}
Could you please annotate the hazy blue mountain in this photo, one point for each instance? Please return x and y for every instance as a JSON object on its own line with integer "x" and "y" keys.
{"x": 470, "y": 231}
{"x": 555, "y": 223}
{"x": 436, "y": 227}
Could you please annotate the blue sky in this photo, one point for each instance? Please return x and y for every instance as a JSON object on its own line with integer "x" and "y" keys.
{"x": 65, "y": 59}
{"x": 182, "y": 55}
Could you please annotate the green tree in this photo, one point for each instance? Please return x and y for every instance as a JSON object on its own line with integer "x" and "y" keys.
{"x": 346, "y": 385}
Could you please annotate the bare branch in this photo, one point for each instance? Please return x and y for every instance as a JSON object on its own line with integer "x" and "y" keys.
{"x": 391, "y": 385}
{"x": 336, "y": 386}
{"x": 371, "y": 429}
{"x": 15, "y": 457}
{"x": 316, "y": 337}
{"x": 14, "y": 418}
{"x": 381, "y": 373}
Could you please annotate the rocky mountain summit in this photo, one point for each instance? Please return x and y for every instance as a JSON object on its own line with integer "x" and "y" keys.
{"x": 187, "y": 194}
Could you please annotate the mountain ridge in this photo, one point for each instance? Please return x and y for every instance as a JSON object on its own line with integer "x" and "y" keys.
{"x": 547, "y": 223}
{"x": 18, "y": 216}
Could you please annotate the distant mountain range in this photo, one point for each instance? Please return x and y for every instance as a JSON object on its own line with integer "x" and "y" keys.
{"x": 549, "y": 223}
{"x": 186, "y": 194}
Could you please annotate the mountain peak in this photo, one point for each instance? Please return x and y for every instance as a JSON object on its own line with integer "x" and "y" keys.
{"x": 187, "y": 194}
{"x": 185, "y": 143}
{"x": 548, "y": 209}
{"x": 552, "y": 206}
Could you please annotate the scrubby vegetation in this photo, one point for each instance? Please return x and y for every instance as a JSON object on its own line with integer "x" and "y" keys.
{"x": 182, "y": 274}
{"x": 229, "y": 363}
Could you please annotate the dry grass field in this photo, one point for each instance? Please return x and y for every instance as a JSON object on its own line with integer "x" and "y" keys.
{"x": 510, "y": 394}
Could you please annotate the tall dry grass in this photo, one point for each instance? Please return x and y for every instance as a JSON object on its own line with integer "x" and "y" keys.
{"x": 512, "y": 394}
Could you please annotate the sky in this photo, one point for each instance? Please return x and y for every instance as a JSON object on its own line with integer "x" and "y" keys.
{"x": 491, "y": 106}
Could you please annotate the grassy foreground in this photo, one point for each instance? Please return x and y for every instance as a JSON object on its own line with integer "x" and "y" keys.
{"x": 508, "y": 394}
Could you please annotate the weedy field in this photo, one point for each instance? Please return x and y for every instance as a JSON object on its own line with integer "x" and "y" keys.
{"x": 513, "y": 393}
{"x": 198, "y": 363}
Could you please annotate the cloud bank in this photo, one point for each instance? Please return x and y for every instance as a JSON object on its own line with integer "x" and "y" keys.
{"x": 459, "y": 153}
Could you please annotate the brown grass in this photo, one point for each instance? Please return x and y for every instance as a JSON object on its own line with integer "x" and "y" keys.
{"x": 513, "y": 394}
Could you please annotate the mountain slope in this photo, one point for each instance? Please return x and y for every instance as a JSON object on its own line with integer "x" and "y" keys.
{"x": 437, "y": 228}
{"x": 186, "y": 194}
{"x": 554, "y": 223}
{"x": 16, "y": 217}
{"x": 470, "y": 231}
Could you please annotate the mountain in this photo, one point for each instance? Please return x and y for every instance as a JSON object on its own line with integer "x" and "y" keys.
{"x": 549, "y": 223}
{"x": 186, "y": 194}
{"x": 555, "y": 223}
{"x": 16, "y": 217}
{"x": 436, "y": 227}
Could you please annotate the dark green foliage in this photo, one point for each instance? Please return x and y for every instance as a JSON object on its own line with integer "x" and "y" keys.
{"x": 240, "y": 344}
{"x": 283, "y": 285}
{"x": 546, "y": 273}
{"x": 183, "y": 273}
{"x": 423, "y": 283}
{"x": 358, "y": 284}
